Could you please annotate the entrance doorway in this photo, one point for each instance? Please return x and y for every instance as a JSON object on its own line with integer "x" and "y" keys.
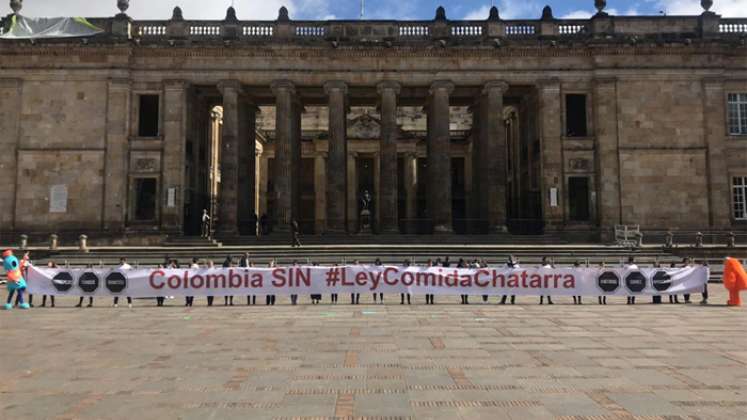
{"x": 364, "y": 169}
{"x": 578, "y": 199}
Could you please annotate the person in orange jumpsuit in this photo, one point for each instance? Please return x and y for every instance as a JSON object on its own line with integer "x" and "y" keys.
{"x": 735, "y": 280}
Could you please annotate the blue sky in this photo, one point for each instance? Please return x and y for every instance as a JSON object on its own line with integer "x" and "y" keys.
{"x": 374, "y": 9}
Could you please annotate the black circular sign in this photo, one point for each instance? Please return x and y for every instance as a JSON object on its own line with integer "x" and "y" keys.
{"x": 635, "y": 281}
{"x": 116, "y": 282}
{"x": 608, "y": 281}
{"x": 88, "y": 282}
{"x": 63, "y": 281}
{"x": 661, "y": 281}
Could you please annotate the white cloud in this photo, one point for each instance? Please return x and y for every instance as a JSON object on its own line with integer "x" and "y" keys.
{"x": 508, "y": 9}
{"x": 578, "y": 14}
{"x": 192, "y": 9}
{"x": 726, "y": 8}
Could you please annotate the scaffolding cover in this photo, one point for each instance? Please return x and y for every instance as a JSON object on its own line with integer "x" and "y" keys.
{"x": 37, "y": 28}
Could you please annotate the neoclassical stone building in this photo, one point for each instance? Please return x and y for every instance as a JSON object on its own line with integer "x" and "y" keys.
{"x": 490, "y": 126}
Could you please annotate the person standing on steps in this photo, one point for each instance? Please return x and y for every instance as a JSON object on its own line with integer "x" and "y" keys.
{"x": 205, "y": 228}
{"x": 296, "y": 234}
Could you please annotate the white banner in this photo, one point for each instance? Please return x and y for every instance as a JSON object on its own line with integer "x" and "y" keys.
{"x": 366, "y": 279}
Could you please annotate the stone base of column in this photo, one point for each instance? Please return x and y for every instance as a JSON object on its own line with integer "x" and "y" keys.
{"x": 443, "y": 229}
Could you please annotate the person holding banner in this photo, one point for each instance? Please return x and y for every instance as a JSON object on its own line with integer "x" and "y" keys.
{"x": 577, "y": 299}
{"x": 687, "y": 262}
{"x": 630, "y": 266}
{"x": 50, "y": 264}
{"x": 546, "y": 264}
{"x": 246, "y": 263}
{"x": 189, "y": 300}
{"x": 602, "y": 298}
{"x": 673, "y": 298}
{"x": 123, "y": 266}
{"x": 402, "y": 295}
{"x": 512, "y": 263}
{"x": 228, "y": 263}
{"x": 210, "y": 266}
{"x": 160, "y": 299}
{"x": 429, "y": 298}
{"x": 333, "y": 296}
{"x": 270, "y": 299}
{"x": 90, "y": 298}
{"x": 462, "y": 264}
{"x": 378, "y": 263}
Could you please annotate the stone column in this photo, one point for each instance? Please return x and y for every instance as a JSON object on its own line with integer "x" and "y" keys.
{"x": 117, "y": 147}
{"x": 388, "y": 92}
{"x": 10, "y": 108}
{"x": 229, "y": 160}
{"x": 247, "y": 166}
{"x": 439, "y": 157}
{"x": 287, "y": 150}
{"x": 607, "y": 155}
{"x": 491, "y": 168}
{"x": 411, "y": 187}
{"x": 718, "y": 176}
{"x": 174, "y": 143}
{"x": 336, "y": 183}
{"x": 320, "y": 187}
{"x": 551, "y": 148}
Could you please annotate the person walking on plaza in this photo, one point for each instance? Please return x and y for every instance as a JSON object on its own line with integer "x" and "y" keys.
{"x": 546, "y": 265}
{"x": 630, "y": 266}
{"x": 50, "y": 264}
{"x": 512, "y": 263}
{"x": 205, "y": 228}
{"x": 228, "y": 263}
{"x": 296, "y": 234}
{"x": 378, "y": 263}
{"x": 124, "y": 266}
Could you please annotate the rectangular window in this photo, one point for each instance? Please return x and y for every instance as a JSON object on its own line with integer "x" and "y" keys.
{"x": 575, "y": 115}
{"x": 737, "y": 114}
{"x": 739, "y": 197}
{"x": 148, "y": 116}
{"x": 145, "y": 199}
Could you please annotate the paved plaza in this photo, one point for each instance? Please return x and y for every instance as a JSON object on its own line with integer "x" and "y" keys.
{"x": 376, "y": 362}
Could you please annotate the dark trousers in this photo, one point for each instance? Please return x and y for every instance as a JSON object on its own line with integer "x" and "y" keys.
{"x": 687, "y": 297}
{"x": 656, "y": 299}
{"x": 294, "y": 299}
{"x": 465, "y": 299}
{"x": 503, "y": 299}
{"x": 296, "y": 242}
{"x": 577, "y": 300}
{"x": 270, "y": 299}
{"x": 381, "y": 297}
{"x": 251, "y": 300}
{"x": 80, "y": 301}
{"x": 160, "y": 300}
{"x": 228, "y": 300}
{"x": 429, "y": 299}
{"x": 116, "y": 300}
{"x": 210, "y": 300}
{"x": 189, "y": 300}
{"x": 402, "y": 298}
{"x": 549, "y": 300}
{"x": 631, "y": 300}
{"x": 51, "y": 300}
{"x": 19, "y": 298}
{"x": 674, "y": 299}
{"x": 602, "y": 300}
{"x": 355, "y": 298}
{"x": 334, "y": 297}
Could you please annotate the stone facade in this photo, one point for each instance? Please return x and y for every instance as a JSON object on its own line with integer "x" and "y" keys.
{"x": 455, "y": 125}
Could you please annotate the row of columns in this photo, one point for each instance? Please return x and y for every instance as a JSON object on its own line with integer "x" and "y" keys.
{"x": 238, "y": 171}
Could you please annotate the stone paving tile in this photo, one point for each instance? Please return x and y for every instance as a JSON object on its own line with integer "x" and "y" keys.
{"x": 565, "y": 362}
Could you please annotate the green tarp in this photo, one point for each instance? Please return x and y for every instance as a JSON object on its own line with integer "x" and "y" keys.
{"x": 29, "y": 28}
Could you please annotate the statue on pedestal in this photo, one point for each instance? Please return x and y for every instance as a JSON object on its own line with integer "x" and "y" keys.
{"x": 365, "y": 214}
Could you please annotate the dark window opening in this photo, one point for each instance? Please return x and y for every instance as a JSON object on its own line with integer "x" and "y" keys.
{"x": 145, "y": 199}
{"x": 578, "y": 198}
{"x": 148, "y": 117}
{"x": 575, "y": 115}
